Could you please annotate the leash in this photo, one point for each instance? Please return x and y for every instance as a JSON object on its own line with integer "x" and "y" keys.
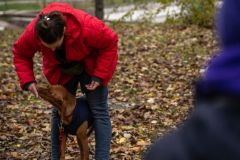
{"x": 61, "y": 132}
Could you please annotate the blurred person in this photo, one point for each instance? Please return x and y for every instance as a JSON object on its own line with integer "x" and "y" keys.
{"x": 212, "y": 131}
{"x": 76, "y": 47}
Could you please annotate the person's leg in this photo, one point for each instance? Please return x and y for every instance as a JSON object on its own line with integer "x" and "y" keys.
{"x": 72, "y": 85}
{"x": 97, "y": 101}
{"x": 55, "y": 134}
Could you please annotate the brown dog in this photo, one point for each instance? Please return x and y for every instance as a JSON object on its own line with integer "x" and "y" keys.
{"x": 67, "y": 105}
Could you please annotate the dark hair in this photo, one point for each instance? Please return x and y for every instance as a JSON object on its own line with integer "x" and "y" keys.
{"x": 50, "y": 26}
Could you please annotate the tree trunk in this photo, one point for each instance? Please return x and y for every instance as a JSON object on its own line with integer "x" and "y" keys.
{"x": 99, "y": 9}
{"x": 44, "y": 3}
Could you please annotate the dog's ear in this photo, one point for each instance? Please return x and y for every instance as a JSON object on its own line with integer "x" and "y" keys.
{"x": 45, "y": 92}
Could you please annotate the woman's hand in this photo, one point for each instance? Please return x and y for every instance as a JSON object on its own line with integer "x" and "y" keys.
{"x": 32, "y": 88}
{"x": 92, "y": 86}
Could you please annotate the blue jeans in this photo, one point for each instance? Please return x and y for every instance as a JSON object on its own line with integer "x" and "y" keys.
{"x": 97, "y": 101}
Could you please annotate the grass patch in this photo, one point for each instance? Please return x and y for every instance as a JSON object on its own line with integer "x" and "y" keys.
{"x": 80, "y": 5}
{"x": 20, "y": 6}
{"x": 38, "y": 6}
{"x": 124, "y": 2}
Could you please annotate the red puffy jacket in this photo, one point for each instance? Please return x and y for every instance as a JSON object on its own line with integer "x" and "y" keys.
{"x": 87, "y": 39}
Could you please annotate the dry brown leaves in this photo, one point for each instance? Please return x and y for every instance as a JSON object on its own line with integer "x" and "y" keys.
{"x": 150, "y": 93}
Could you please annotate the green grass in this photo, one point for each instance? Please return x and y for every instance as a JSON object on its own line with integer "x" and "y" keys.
{"x": 20, "y": 6}
{"x": 82, "y": 5}
{"x": 125, "y": 2}
{"x": 36, "y": 6}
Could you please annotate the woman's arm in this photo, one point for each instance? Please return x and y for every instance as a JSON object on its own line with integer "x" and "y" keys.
{"x": 23, "y": 51}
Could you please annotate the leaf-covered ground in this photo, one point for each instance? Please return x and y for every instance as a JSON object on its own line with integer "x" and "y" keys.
{"x": 151, "y": 92}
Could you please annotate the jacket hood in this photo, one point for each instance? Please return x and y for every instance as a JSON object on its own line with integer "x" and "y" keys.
{"x": 223, "y": 74}
{"x": 229, "y": 23}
